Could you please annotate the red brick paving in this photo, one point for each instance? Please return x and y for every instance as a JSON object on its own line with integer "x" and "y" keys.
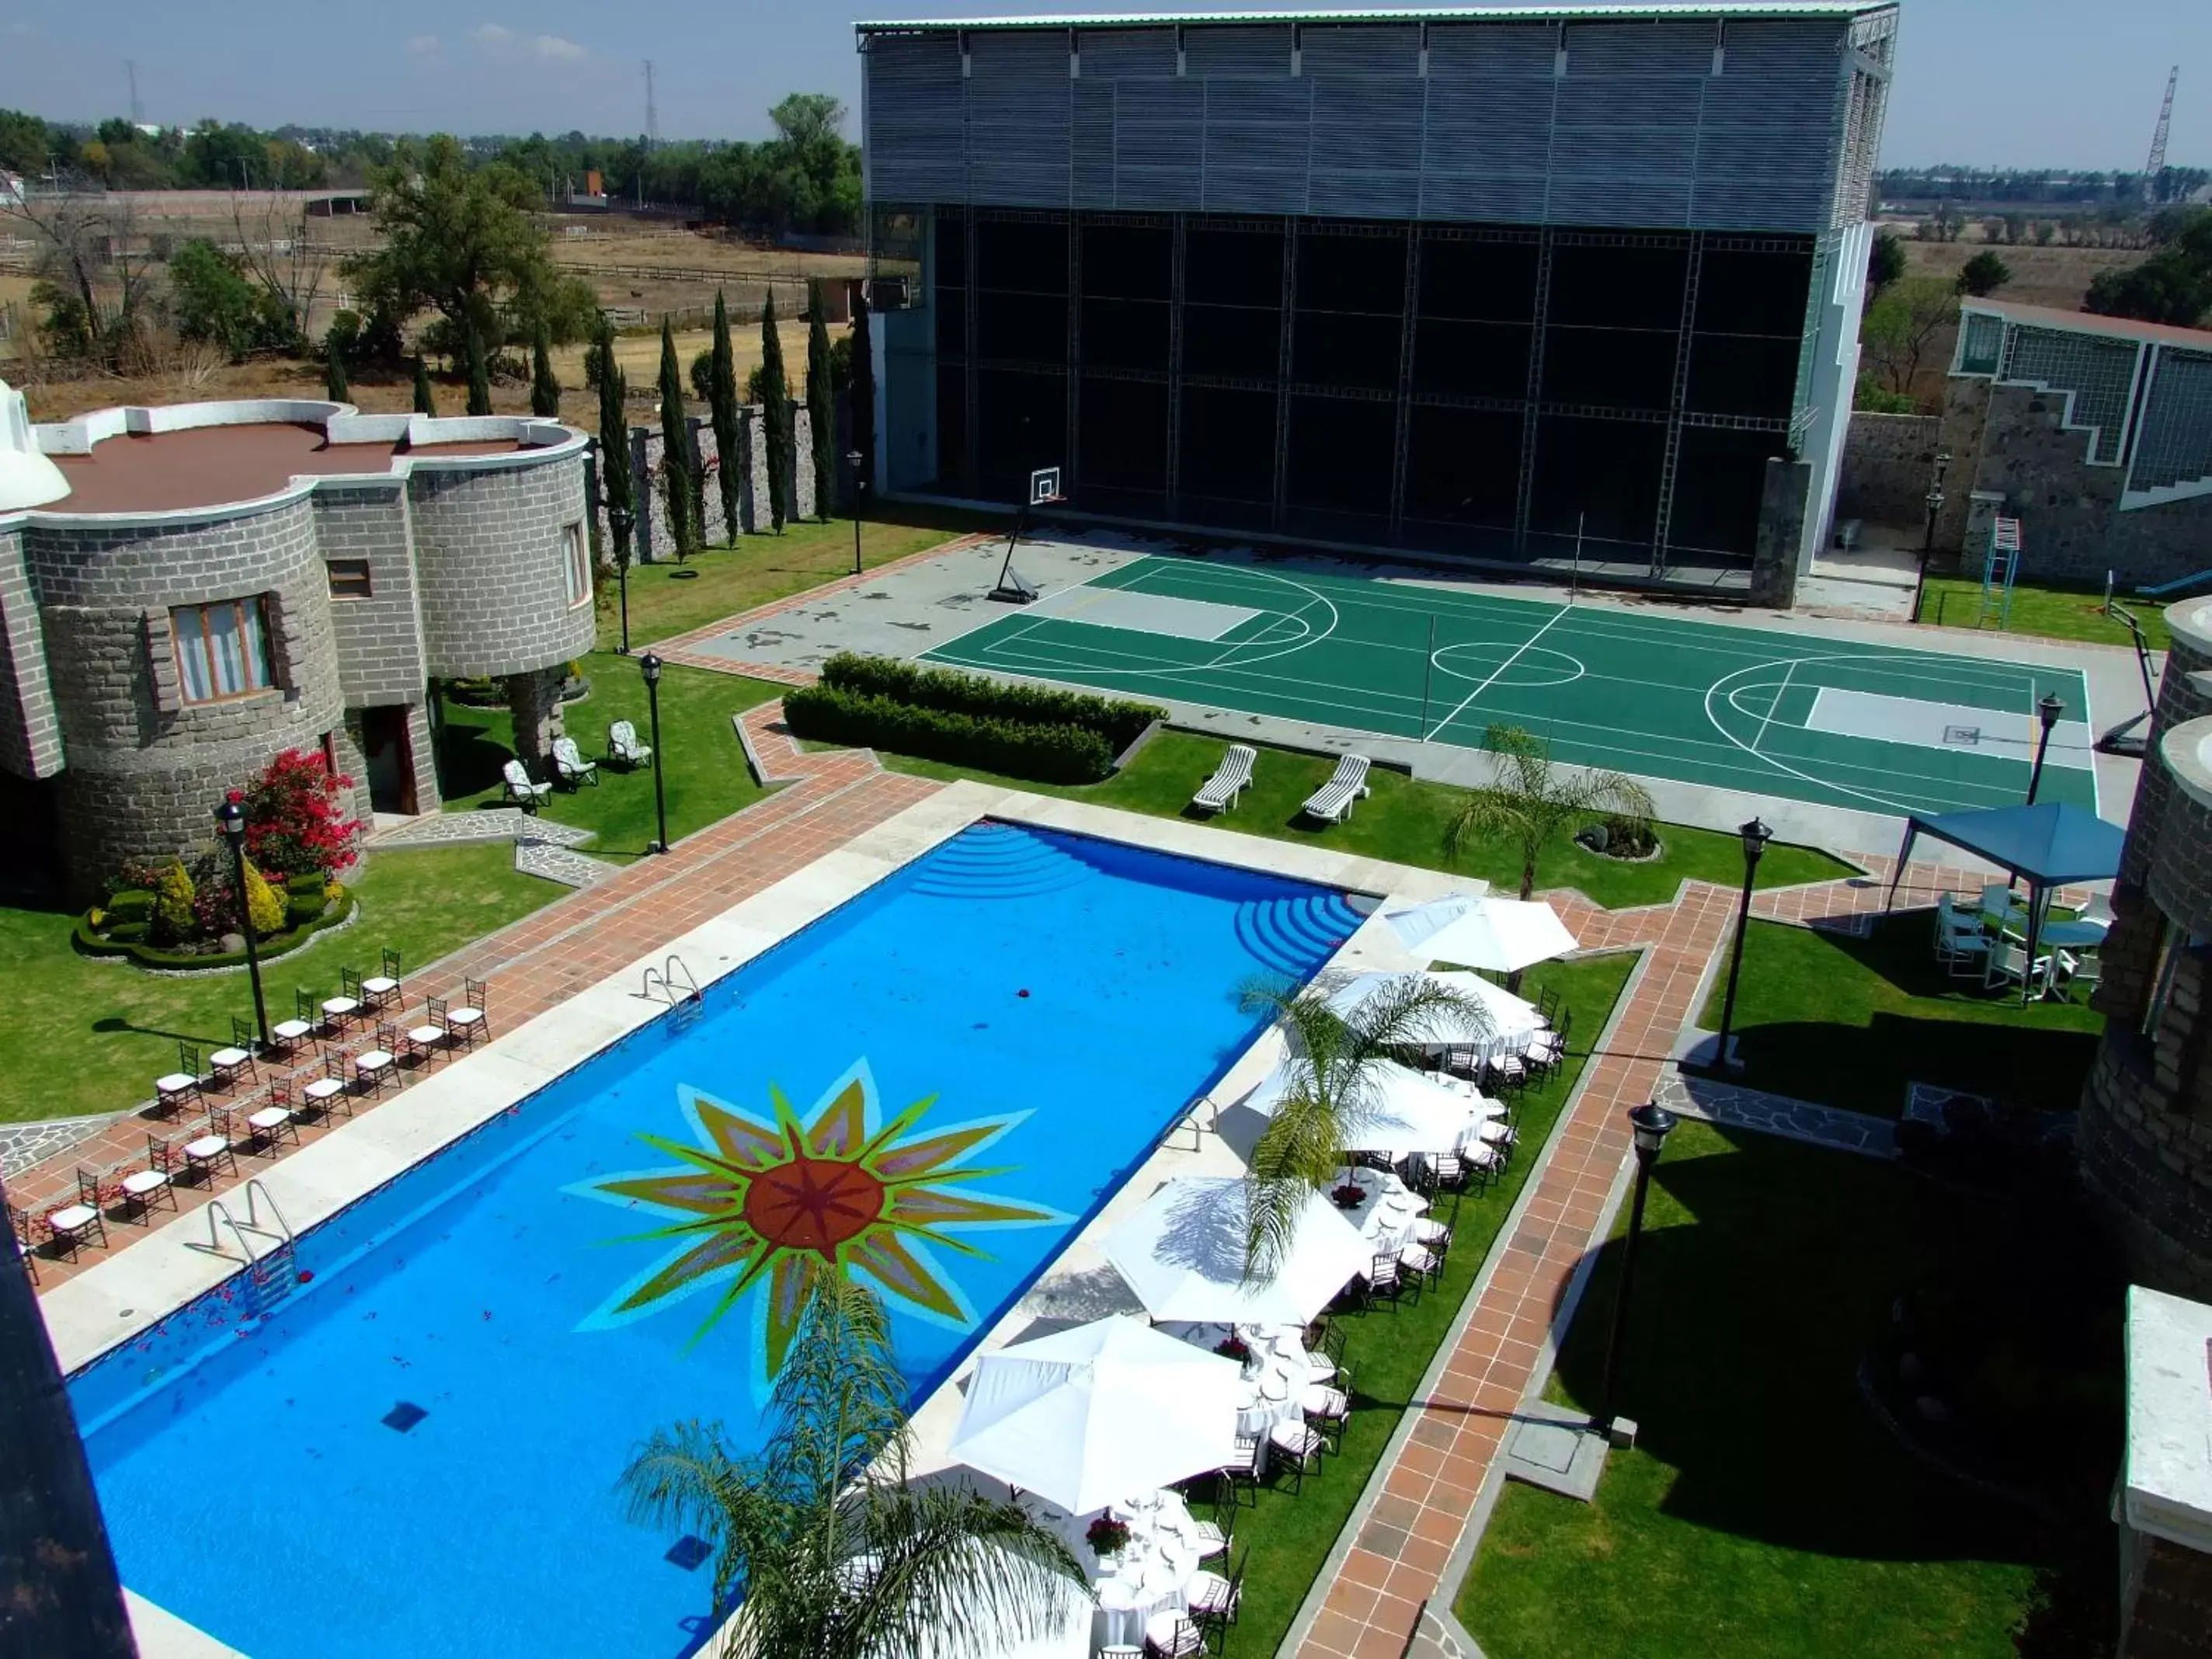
{"x": 537, "y": 963}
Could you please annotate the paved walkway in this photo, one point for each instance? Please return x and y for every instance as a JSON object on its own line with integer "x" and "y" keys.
{"x": 536, "y": 963}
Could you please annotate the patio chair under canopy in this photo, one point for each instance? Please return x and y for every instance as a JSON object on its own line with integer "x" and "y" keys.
{"x": 1088, "y": 1416}
{"x": 1499, "y": 935}
{"x": 1183, "y": 1253}
{"x": 1402, "y": 1114}
{"x": 2046, "y": 845}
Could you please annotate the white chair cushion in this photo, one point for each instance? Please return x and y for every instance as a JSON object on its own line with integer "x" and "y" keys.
{"x": 380, "y": 985}
{"x": 1170, "y": 1632}
{"x": 1322, "y": 1401}
{"x": 324, "y": 1087}
{"x": 1208, "y": 1591}
{"x": 341, "y": 1005}
{"x": 1417, "y": 1260}
{"x": 174, "y": 1081}
{"x": 375, "y": 1061}
{"x": 71, "y": 1218}
{"x": 205, "y": 1147}
{"x": 463, "y": 1016}
{"x": 426, "y": 1034}
{"x": 1296, "y": 1439}
{"x": 139, "y": 1181}
{"x": 269, "y": 1116}
{"x": 227, "y": 1058}
{"x": 290, "y": 1030}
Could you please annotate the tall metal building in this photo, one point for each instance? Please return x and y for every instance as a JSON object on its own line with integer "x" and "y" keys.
{"x": 1459, "y": 281}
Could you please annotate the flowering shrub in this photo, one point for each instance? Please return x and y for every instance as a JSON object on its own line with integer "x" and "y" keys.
{"x": 295, "y": 818}
{"x": 173, "y": 915}
{"x": 215, "y": 899}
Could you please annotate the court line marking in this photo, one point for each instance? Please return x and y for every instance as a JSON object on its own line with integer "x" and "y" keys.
{"x": 1518, "y": 654}
{"x": 1780, "y": 692}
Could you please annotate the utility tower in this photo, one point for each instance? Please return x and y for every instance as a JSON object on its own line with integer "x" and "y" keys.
{"x": 137, "y": 109}
{"x": 652, "y": 114}
{"x": 2156, "y": 164}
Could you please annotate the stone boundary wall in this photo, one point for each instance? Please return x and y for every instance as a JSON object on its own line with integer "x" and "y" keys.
{"x": 1889, "y": 461}
{"x": 652, "y": 539}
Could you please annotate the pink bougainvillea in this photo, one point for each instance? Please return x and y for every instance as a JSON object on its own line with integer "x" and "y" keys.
{"x": 295, "y": 818}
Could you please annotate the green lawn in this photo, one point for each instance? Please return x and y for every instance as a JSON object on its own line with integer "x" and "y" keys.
{"x": 1403, "y": 821}
{"x": 2050, "y": 612}
{"x": 704, "y": 769}
{"x": 666, "y": 599}
{"x": 1849, "y": 1022}
{"x": 1284, "y": 1541}
{"x": 1764, "y": 1513}
{"x": 86, "y": 1036}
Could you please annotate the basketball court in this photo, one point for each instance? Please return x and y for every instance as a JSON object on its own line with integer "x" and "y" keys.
{"x": 1829, "y": 721}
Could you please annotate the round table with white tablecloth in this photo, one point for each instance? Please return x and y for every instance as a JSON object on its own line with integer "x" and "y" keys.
{"x": 1386, "y": 1211}
{"x": 1152, "y": 1572}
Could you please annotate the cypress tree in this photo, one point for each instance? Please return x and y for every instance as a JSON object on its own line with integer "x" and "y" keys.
{"x": 862, "y": 391}
{"x": 821, "y": 421}
{"x": 424, "y": 402}
{"x": 722, "y": 400}
{"x": 335, "y": 386}
{"x": 544, "y": 390}
{"x": 776, "y": 414}
{"x": 479, "y": 373}
{"x": 675, "y": 449}
{"x": 614, "y": 439}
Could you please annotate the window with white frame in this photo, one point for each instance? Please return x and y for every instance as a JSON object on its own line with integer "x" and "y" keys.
{"x": 579, "y": 564}
{"x": 222, "y": 649}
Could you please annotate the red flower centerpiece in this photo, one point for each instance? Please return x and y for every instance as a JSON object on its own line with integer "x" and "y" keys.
{"x": 1233, "y": 1347}
{"x": 1350, "y": 1196}
{"x": 1106, "y": 1535}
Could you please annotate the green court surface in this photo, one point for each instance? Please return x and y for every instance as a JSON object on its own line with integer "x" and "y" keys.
{"x": 1837, "y": 722}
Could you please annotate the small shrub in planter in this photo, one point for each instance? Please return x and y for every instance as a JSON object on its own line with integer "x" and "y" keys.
{"x": 131, "y": 905}
{"x": 174, "y": 917}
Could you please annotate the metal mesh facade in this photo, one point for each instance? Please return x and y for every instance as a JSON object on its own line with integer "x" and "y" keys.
{"x": 1706, "y": 122}
{"x": 1488, "y": 389}
{"x": 2174, "y": 445}
{"x": 2099, "y": 372}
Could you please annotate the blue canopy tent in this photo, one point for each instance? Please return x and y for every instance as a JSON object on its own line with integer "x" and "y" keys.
{"x": 2046, "y": 845}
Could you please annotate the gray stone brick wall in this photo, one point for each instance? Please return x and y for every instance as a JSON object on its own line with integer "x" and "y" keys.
{"x": 379, "y": 639}
{"x": 145, "y": 768}
{"x": 1889, "y": 461}
{"x": 30, "y": 732}
{"x": 492, "y": 568}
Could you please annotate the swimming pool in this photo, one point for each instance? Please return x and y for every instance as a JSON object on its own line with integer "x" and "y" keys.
{"x": 415, "y": 1451}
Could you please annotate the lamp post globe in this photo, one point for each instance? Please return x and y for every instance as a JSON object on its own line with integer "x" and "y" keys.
{"x": 649, "y": 666}
{"x": 852, "y": 460}
{"x": 230, "y": 818}
{"x": 2048, "y": 711}
{"x": 1754, "y": 836}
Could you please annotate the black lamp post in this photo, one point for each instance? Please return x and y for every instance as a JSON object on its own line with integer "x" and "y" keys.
{"x": 859, "y": 488}
{"x": 649, "y": 665}
{"x": 2048, "y": 711}
{"x": 1935, "y": 505}
{"x": 1755, "y": 835}
{"x": 622, "y": 521}
{"x": 231, "y": 817}
{"x": 1651, "y": 1123}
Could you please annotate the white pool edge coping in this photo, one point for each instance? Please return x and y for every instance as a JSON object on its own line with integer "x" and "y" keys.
{"x": 117, "y": 1300}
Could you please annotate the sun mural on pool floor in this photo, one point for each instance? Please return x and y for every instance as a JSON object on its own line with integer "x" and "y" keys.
{"x": 758, "y": 1206}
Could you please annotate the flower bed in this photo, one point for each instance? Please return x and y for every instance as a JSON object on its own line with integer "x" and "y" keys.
{"x": 92, "y": 941}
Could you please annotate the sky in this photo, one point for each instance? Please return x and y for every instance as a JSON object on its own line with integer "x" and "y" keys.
{"x": 2069, "y": 83}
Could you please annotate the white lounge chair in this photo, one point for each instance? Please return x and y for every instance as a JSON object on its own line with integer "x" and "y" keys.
{"x": 625, "y": 749}
{"x": 1229, "y": 779}
{"x": 570, "y": 766}
{"x": 520, "y": 790}
{"x": 1331, "y": 802}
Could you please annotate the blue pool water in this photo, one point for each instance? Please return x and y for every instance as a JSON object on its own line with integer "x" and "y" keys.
{"x": 1082, "y": 990}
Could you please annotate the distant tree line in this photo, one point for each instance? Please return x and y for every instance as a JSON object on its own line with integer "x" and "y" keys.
{"x": 2037, "y": 186}
{"x": 806, "y": 178}
{"x": 2174, "y": 285}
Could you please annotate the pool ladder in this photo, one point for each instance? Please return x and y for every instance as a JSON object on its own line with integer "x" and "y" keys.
{"x": 272, "y": 1268}
{"x": 672, "y": 984}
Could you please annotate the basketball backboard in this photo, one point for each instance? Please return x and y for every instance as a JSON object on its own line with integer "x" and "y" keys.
{"x": 1044, "y": 485}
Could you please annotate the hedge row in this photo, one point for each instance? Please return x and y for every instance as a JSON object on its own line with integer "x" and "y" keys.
{"x": 1120, "y": 723}
{"x": 1045, "y": 754}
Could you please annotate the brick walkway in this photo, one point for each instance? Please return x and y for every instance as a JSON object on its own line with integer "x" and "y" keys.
{"x": 540, "y": 961}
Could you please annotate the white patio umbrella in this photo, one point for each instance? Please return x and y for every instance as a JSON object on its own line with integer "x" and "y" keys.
{"x": 1183, "y": 1253}
{"x": 1404, "y": 1112}
{"x": 1503, "y": 1016}
{"x": 1088, "y": 1416}
{"x": 1503, "y": 936}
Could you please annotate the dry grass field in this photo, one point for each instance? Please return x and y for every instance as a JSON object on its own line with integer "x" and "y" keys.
{"x": 2054, "y": 277}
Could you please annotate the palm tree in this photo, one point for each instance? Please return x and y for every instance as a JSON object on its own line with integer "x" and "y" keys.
{"x": 837, "y": 1556}
{"x": 1332, "y": 1060}
{"x": 1530, "y": 800}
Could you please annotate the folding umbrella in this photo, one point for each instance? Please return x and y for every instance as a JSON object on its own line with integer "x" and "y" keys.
{"x": 1502, "y": 1017}
{"x": 1088, "y": 1416}
{"x": 1403, "y": 1112}
{"x": 1183, "y": 1253}
{"x": 1502, "y": 936}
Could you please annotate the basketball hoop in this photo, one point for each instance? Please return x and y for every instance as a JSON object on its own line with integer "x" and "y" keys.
{"x": 1044, "y": 489}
